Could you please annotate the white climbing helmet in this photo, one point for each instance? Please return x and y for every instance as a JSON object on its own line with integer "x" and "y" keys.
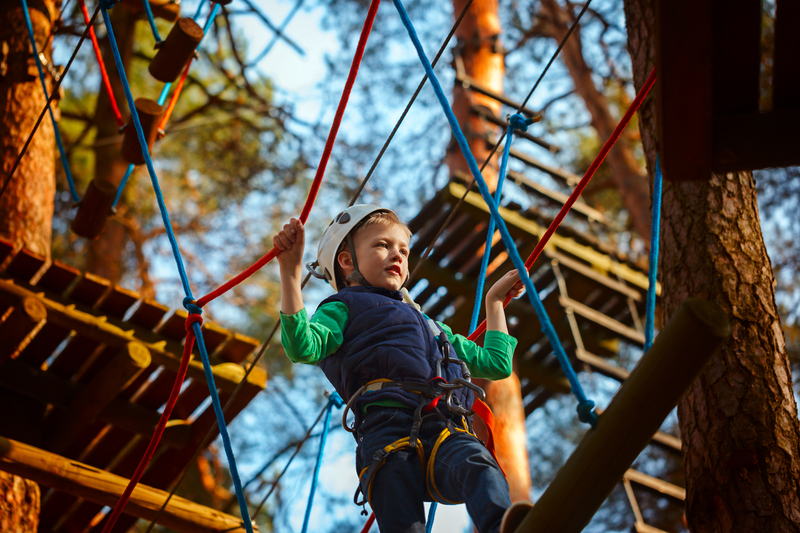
{"x": 336, "y": 233}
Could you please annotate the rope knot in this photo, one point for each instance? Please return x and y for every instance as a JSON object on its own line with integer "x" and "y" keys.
{"x": 586, "y": 413}
{"x": 195, "y": 313}
{"x": 518, "y": 122}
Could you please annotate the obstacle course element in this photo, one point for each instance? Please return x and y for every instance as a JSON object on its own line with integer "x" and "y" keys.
{"x": 682, "y": 349}
{"x": 176, "y": 50}
{"x": 711, "y": 72}
{"x": 74, "y": 342}
{"x": 163, "y": 9}
{"x": 94, "y": 209}
{"x": 148, "y": 112}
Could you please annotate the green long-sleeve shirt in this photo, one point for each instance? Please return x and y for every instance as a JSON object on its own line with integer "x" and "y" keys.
{"x": 311, "y": 341}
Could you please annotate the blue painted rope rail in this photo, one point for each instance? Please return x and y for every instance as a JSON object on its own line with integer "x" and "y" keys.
{"x": 585, "y": 406}
{"x": 334, "y": 400}
{"x": 516, "y": 122}
{"x": 655, "y": 234}
{"x": 188, "y": 301}
{"x": 64, "y": 161}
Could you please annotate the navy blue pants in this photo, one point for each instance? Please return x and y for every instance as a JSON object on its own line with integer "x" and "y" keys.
{"x": 464, "y": 471}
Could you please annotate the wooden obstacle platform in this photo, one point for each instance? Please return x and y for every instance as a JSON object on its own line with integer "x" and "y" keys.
{"x": 85, "y": 367}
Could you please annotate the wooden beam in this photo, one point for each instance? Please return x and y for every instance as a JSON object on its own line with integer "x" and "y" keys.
{"x": 96, "y": 395}
{"x": 24, "y": 320}
{"x": 786, "y": 72}
{"x": 756, "y": 140}
{"x": 684, "y": 88}
{"x": 604, "y": 455}
{"x": 99, "y": 329}
{"x": 93, "y": 484}
{"x": 522, "y": 227}
{"x": 656, "y": 485}
{"x": 49, "y": 388}
{"x": 736, "y": 56}
{"x": 605, "y": 321}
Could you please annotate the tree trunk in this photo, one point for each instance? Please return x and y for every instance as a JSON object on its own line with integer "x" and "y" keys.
{"x": 625, "y": 173}
{"x": 26, "y": 208}
{"x": 19, "y": 504}
{"x": 739, "y": 426}
{"x": 482, "y": 55}
{"x": 104, "y": 254}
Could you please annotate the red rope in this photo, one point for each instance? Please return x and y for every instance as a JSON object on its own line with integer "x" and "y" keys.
{"x": 174, "y": 98}
{"x": 103, "y": 73}
{"x": 315, "y": 185}
{"x": 162, "y": 423}
{"x": 582, "y": 185}
{"x": 369, "y": 523}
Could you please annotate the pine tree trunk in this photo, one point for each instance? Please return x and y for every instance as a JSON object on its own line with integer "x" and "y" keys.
{"x": 625, "y": 172}
{"x": 739, "y": 426}
{"x": 26, "y": 208}
{"x": 479, "y": 45}
{"x": 19, "y": 504}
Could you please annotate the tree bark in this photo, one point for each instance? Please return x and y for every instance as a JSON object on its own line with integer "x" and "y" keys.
{"x": 739, "y": 426}
{"x": 26, "y": 208}
{"x": 482, "y": 55}
{"x": 625, "y": 173}
{"x": 19, "y": 504}
{"x": 104, "y": 254}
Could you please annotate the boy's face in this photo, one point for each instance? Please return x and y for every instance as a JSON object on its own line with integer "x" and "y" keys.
{"x": 382, "y": 252}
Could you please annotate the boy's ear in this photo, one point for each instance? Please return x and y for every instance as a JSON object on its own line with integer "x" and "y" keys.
{"x": 344, "y": 260}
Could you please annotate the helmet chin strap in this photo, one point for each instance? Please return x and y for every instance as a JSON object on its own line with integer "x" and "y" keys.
{"x": 355, "y": 276}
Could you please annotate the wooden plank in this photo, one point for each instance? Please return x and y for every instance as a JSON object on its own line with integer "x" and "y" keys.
{"x": 238, "y": 348}
{"x": 684, "y": 88}
{"x": 120, "y": 412}
{"x": 521, "y": 227}
{"x": 771, "y": 140}
{"x": 174, "y": 327}
{"x": 43, "y": 344}
{"x": 557, "y": 198}
{"x": 483, "y": 113}
{"x": 214, "y": 335}
{"x": 118, "y": 301}
{"x": 58, "y": 277}
{"x": 568, "y": 178}
{"x": 786, "y": 69}
{"x": 602, "y": 366}
{"x": 656, "y": 485}
{"x": 96, "y": 485}
{"x": 89, "y": 289}
{"x": 736, "y": 56}
{"x": 85, "y": 406}
{"x": 602, "y": 320}
{"x": 149, "y": 314}
{"x": 25, "y": 265}
{"x": 109, "y": 334}
{"x": 20, "y": 326}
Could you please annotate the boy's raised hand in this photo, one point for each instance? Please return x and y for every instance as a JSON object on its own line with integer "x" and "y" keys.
{"x": 291, "y": 241}
{"x": 508, "y": 284}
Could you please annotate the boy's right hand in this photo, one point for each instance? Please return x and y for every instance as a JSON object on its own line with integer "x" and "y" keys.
{"x": 291, "y": 242}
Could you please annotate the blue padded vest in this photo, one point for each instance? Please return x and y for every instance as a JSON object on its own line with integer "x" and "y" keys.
{"x": 385, "y": 338}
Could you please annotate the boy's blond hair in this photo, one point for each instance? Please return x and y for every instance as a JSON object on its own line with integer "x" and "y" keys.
{"x": 384, "y": 218}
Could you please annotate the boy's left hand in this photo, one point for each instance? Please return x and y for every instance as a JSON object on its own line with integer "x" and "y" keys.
{"x": 509, "y": 284}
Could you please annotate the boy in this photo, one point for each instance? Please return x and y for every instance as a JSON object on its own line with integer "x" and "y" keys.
{"x": 384, "y": 359}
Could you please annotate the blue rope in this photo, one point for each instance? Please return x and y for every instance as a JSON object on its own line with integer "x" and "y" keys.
{"x": 223, "y": 430}
{"x": 431, "y": 515}
{"x": 146, "y": 153}
{"x": 189, "y": 300}
{"x": 164, "y": 93}
{"x": 122, "y": 184}
{"x": 151, "y": 20}
{"x": 516, "y": 122}
{"x": 585, "y": 406}
{"x": 210, "y": 19}
{"x": 199, "y": 9}
{"x": 333, "y": 400}
{"x": 73, "y": 192}
{"x": 650, "y": 311}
